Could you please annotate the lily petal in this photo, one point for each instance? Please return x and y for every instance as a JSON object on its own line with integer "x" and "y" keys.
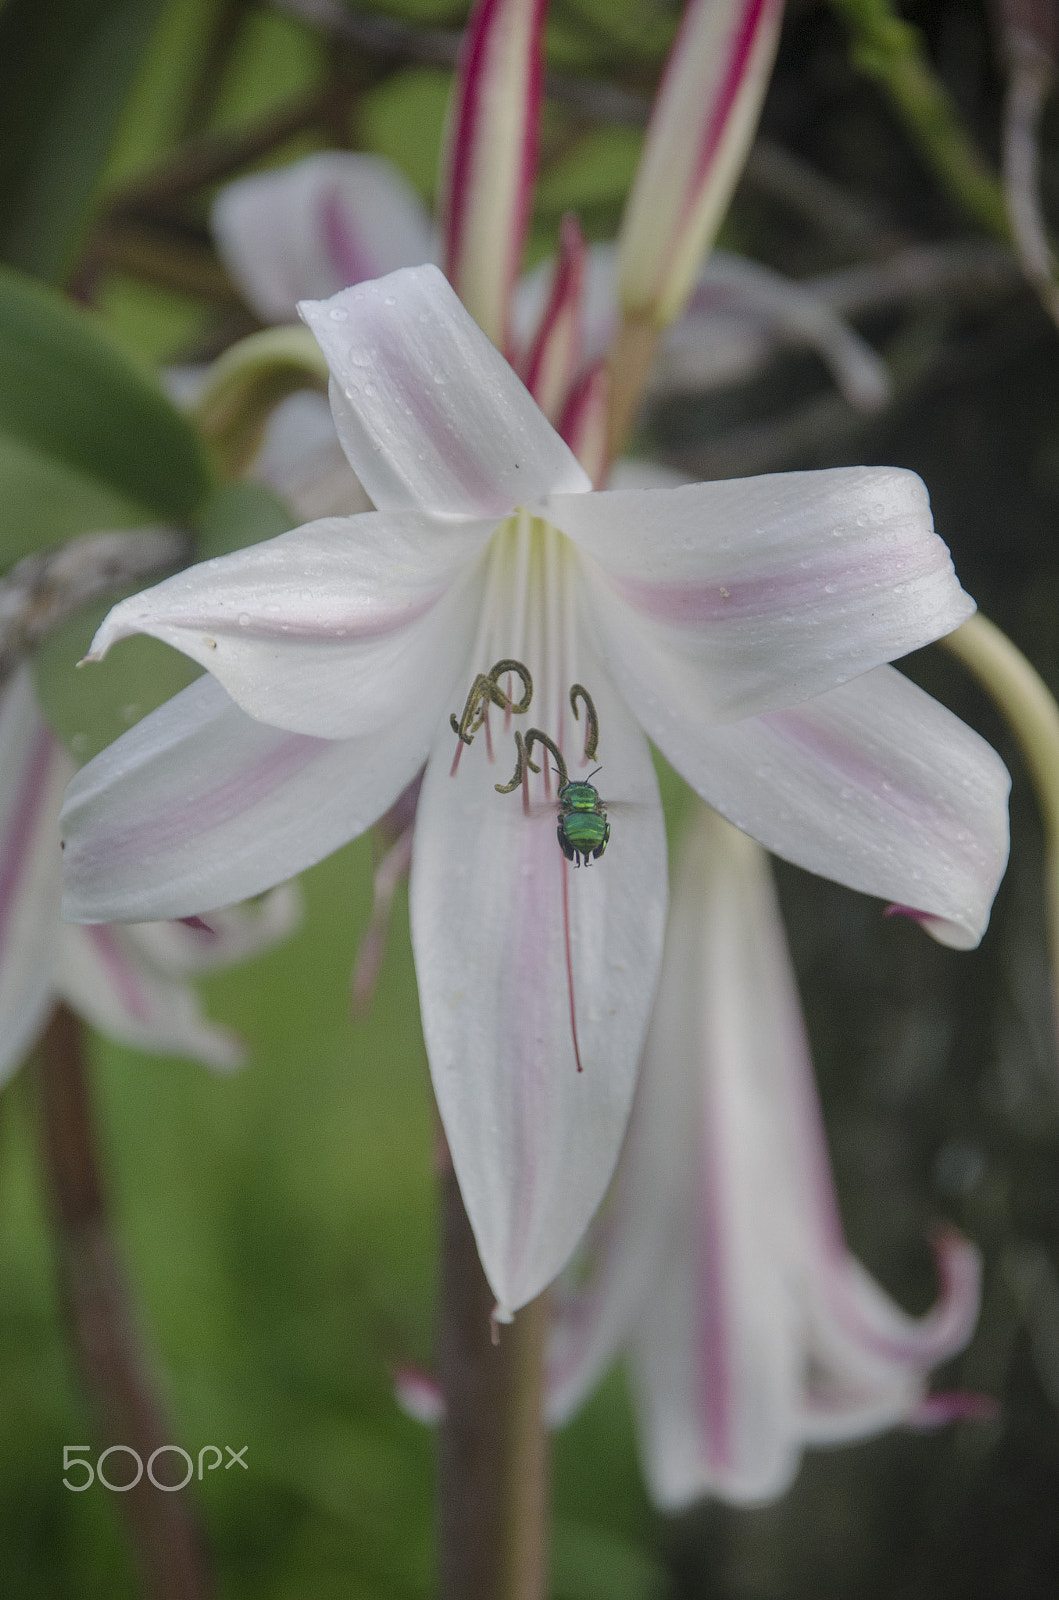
{"x": 490, "y": 163}
{"x": 301, "y": 458}
{"x": 333, "y": 629}
{"x": 34, "y": 770}
{"x": 316, "y": 226}
{"x": 731, "y": 599}
{"x": 874, "y": 785}
{"x": 199, "y": 806}
{"x": 739, "y": 312}
{"x": 759, "y": 1333}
{"x": 701, "y": 126}
{"x": 533, "y": 1139}
{"x": 552, "y": 360}
{"x": 427, "y": 410}
{"x": 110, "y": 982}
{"x": 189, "y": 948}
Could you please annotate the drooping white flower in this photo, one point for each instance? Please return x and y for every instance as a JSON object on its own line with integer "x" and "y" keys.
{"x": 129, "y": 982}
{"x": 721, "y": 1268}
{"x": 741, "y": 625}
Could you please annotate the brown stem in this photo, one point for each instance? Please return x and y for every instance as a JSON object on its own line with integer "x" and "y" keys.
{"x": 99, "y": 1313}
{"x": 493, "y": 1451}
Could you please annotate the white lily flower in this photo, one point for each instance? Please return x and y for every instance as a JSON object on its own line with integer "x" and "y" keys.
{"x": 723, "y": 1270}
{"x": 737, "y": 623}
{"x": 129, "y": 982}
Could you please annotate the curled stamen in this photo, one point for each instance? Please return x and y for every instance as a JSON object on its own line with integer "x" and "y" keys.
{"x": 535, "y": 736}
{"x": 520, "y": 768}
{"x": 486, "y": 688}
{"x": 522, "y": 672}
{"x": 579, "y": 692}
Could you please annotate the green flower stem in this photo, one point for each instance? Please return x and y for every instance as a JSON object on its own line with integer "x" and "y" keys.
{"x": 248, "y": 382}
{"x": 891, "y": 51}
{"x": 1030, "y": 710}
{"x": 102, "y": 1324}
{"x": 492, "y": 1500}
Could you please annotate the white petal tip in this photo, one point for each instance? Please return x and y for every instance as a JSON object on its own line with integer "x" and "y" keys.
{"x": 419, "y": 1395}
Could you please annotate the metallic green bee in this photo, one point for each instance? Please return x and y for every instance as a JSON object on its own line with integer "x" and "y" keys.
{"x": 582, "y": 827}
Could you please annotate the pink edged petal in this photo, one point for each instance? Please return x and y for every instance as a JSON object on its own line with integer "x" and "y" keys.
{"x": 866, "y": 1314}
{"x": 875, "y": 785}
{"x": 533, "y": 1139}
{"x": 490, "y": 164}
{"x": 702, "y": 123}
{"x": 108, "y": 978}
{"x": 332, "y": 629}
{"x": 195, "y": 945}
{"x": 707, "y": 1428}
{"x": 199, "y": 806}
{"x": 34, "y": 770}
{"x": 427, "y": 410}
{"x": 747, "y": 596}
{"x": 552, "y": 359}
{"x": 584, "y": 422}
{"x": 315, "y": 227}
{"x": 599, "y": 302}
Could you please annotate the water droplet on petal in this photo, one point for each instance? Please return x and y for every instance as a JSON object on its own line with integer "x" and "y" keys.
{"x": 244, "y": 619}
{"x": 338, "y": 314}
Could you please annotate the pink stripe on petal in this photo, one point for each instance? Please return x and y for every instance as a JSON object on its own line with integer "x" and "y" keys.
{"x": 743, "y": 40}
{"x": 953, "y": 1405}
{"x": 197, "y": 814}
{"x": 119, "y": 970}
{"x": 690, "y": 602}
{"x": 20, "y": 838}
{"x": 553, "y": 356}
{"x": 325, "y": 619}
{"x": 715, "y": 1374}
{"x": 583, "y": 424}
{"x": 488, "y": 76}
{"x": 351, "y": 262}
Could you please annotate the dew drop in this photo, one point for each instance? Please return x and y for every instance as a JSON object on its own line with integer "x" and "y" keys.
{"x": 244, "y": 619}
{"x": 830, "y": 588}
{"x": 389, "y": 300}
{"x": 338, "y": 314}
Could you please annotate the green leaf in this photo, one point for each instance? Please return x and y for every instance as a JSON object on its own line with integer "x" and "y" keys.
{"x": 238, "y": 514}
{"x": 89, "y": 707}
{"x": 45, "y": 502}
{"x": 71, "y": 394}
{"x": 594, "y": 1564}
{"x": 66, "y": 67}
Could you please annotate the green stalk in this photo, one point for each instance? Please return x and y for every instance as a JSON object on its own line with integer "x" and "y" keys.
{"x": 1031, "y": 712}
{"x": 891, "y": 51}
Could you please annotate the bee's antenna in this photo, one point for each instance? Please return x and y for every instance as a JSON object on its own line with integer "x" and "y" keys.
{"x": 592, "y": 775}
